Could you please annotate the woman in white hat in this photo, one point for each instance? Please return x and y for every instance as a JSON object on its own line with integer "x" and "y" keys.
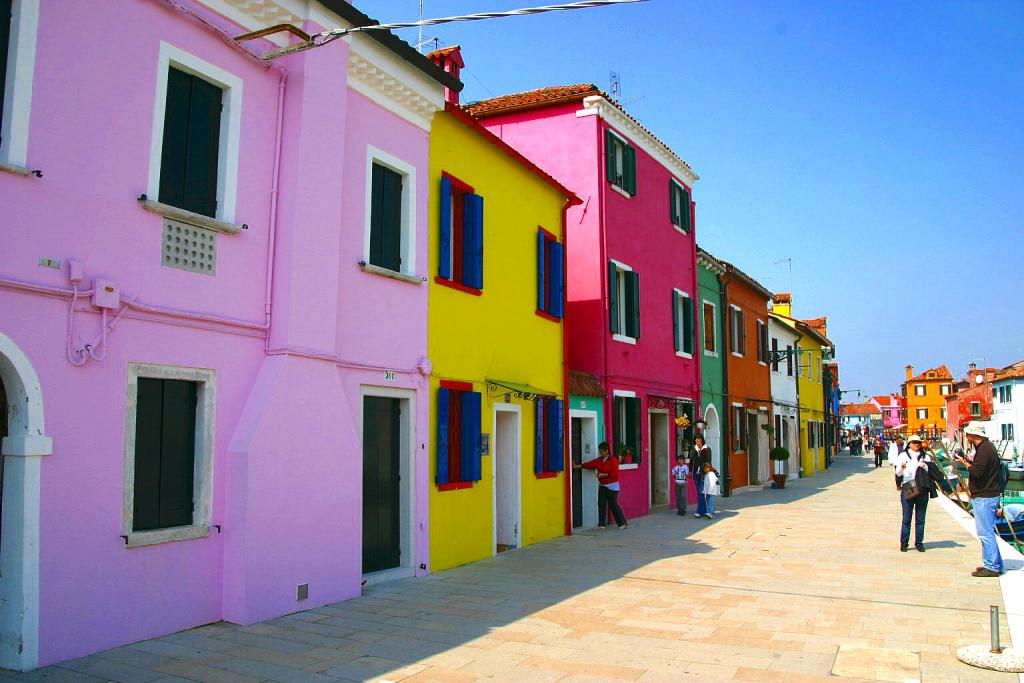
{"x": 911, "y": 469}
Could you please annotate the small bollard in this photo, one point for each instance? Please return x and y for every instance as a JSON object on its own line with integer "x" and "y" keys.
{"x": 994, "y": 614}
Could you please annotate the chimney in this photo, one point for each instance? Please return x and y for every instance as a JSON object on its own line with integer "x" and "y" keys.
{"x": 783, "y": 304}
{"x": 449, "y": 59}
{"x": 910, "y": 371}
{"x": 972, "y": 366}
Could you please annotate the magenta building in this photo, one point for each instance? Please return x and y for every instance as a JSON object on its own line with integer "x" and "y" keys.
{"x": 213, "y": 339}
{"x": 633, "y": 303}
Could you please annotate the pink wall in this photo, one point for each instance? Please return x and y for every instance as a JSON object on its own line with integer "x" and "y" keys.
{"x": 287, "y": 463}
{"x": 636, "y": 231}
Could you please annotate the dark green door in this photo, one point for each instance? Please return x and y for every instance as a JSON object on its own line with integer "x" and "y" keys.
{"x": 576, "y": 450}
{"x": 381, "y": 462}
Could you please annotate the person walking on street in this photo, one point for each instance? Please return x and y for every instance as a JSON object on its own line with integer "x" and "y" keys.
{"x": 700, "y": 455}
{"x": 710, "y": 490}
{"x": 607, "y": 468}
{"x": 879, "y": 450}
{"x": 680, "y": 473}
{"x": 915, "y": 487}
{"x": 895, "y": 448}
{"x": 985, "y": 486}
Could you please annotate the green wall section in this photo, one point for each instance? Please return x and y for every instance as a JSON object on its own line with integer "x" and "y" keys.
{"x": 712, "y": 365}
{"x": 595, "y": 403}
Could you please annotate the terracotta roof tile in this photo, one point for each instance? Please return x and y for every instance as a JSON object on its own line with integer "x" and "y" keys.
{"x": 584, "y": 384}
{"x": 532, "y": 99}
{"x": 783, "y": 298}
{"x": 858, "y": 409}
{"x": 443, "y": 52}
{"x": 816, "y": 323}
{"x": 941, "y": 372}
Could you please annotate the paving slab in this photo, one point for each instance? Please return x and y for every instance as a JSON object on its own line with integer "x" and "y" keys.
{"x": 801, "y": 584}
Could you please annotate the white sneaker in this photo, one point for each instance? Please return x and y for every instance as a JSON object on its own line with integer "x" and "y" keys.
{"x": 709, "y": 516}
{"x": 697, "y": 514}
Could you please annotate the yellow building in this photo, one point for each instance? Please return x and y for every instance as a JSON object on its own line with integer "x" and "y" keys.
{"x": 814, "y": 348}
{"x": 926, "y": 395}
{"x": 496, "y": 343}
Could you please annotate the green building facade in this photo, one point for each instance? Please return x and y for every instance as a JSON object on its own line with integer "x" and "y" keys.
{"x": 713, "y": 358}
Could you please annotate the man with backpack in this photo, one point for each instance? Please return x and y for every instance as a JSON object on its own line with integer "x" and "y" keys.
{"x": 985, "y": 481}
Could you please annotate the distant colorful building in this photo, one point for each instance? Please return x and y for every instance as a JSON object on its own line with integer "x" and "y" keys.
{"x": 784, "y": 363}
{"x": 971, "y": 400}
{"x": 712, "y": 311}
{"x": 861, "y": 417}
{"x": 926, "y": 395}
{"x": 497, "y": 306}
{"x": 748, "y": 387}
{"x": 632, "y": 303}
{"x": 891, "y": 408}
{"x": 1008, "y": 409}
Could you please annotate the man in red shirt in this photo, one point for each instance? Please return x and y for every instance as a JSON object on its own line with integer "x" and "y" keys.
{"x": 607, "y": 469}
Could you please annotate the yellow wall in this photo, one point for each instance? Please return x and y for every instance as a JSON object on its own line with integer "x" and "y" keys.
{"x": 496, "y": 335}
{"x": 811, "y": 393}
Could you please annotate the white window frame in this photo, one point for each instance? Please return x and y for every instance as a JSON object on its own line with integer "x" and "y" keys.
{"x": 206, "y": 401}
{"x": 621, "y": 393}
{"x": 767, "y": 349}
{"x": 734, "y": 331}
{"x": 230, "y": 125}
{"x": 684, "y": 192}
{"x": 680, "y": 306}
{"x": 970, "y": 409}
{"x": 923, "y": 390}
{"x": 741, "y": 427}
{"x": 920, "y": 416}
{"x": 620, "y": 284}
{"x": 408, "y": 171}
{"x": 17, "y": 104}
{"x": 945, "y": 389}
{"x": 942, "y": 412}
{"x": 714, "y": 327}
{"x": 620, "y": 163}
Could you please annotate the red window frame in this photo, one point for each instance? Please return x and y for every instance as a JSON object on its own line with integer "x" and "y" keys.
{"x": 459, "y": 191}
{"x": 548, "y": 237}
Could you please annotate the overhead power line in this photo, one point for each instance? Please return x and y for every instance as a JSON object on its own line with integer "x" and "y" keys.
{"x": 325, "y": 37}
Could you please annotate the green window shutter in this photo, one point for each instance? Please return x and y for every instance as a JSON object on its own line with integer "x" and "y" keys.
{"x": 609, "y": 156}
{"x": 629, "y": 170}
{"x": 675, "y": 321}
{"x": 633, "y": 304}
{"x": 613, "y": 297}
{"x": 688, "y": 332}
{"x": 685, "y": 210}
{"x": 633, "y": 426}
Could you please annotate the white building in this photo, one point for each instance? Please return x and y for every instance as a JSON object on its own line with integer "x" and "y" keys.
{"x": 783, "y": 361}
{"x": 1007, "y": 423}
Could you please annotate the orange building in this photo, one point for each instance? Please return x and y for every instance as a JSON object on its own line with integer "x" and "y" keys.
{"x": 926, "y": 399}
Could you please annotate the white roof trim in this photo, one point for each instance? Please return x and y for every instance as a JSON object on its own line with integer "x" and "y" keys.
{"x": 391, "y": 83}
{"x": 596, "y": 105}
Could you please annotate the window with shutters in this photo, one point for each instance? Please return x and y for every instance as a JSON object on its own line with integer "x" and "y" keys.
{"x": 390, "y": 247}
{"x": 19, "y": 20}
{"x": 549, "y": 437}
{"x": 626, "y": 426}
{"x": 168, "y": 454}
{"x": 922, "y": 413}
{"x": 737, "y": 331}
{"x": 684, "y": 323}
{"x": 710, "y": 329}
{"x": 975, "y": 408}
{"x": 620, "y": 163}
{"x": 1007, "y": 431}
{"x": 197, "y": 126}
{"x": 789, "y": 360}
{"x": 190, "y": 155}
{"x": 680, "y": 212}
{"x": 775, "y": 354}
{"x": 461, "y": 258}
{"x": 458, "y": 436}
{"x": 811, "y": 434}
{"x": 550, "y": 276}
{"x": 739, "y": 429}
{"x": 942, "y": 412}
{"x": 945, "y": 389}
{"x": 762, "y": 342}
{"x": 920, "y": 390}
{"x": 623, "y": 302}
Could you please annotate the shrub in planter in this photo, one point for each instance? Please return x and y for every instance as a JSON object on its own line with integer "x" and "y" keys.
{"x": 780, "y": 455}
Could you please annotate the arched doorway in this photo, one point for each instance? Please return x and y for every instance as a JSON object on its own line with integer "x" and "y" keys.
{"x": 713, "y": 435}
{"x": 23, "y": 446}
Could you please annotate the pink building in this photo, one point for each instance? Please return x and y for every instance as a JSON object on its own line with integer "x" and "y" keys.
{"x": 213, "y": 307}
{"x": 632, "y": 303}
{"x": 890, "y": 406}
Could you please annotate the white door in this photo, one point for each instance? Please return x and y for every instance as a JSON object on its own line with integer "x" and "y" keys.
{"x": 583, "y": 444}
{"x": 507, "y": 525}
{"x": 713, "y": 435}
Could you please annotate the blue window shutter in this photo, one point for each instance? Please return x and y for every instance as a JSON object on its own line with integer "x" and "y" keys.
{"x": 470, "y": 436}
{"x": 542, "y": 259}
{"x": 555, "y": 436}
{"x": 613, "y": 297}
{"x": 538, "y": 441}
{"x": 675, "y": 320}
{"x": 555, "y": 306}
{"x": 443, "y": 396}
{"x": 473, "y": 241}
{"x": 444, "y": 263}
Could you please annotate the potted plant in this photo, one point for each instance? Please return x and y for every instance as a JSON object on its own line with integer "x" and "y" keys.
{"x": 780, "y": 456}
{"x": 625, "y": 452}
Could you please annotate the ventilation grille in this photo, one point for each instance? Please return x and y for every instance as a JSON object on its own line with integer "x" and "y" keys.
{"x": 187, "y": 247}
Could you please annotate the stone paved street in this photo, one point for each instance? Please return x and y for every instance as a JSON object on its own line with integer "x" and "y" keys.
{"x": 796, "y": 585}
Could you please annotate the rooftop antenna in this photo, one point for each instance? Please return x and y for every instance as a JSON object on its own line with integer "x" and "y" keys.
{"x": 616, "y": 84}
{"x": 419, "y": 39}
{"x": 789, "y": 264}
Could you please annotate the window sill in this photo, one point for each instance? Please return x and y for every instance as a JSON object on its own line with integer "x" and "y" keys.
{"x": 191, "y": 217}
{"x": 548, "y": 316}
{"x": 623, "y": 338}
{"x": 622, "y": 192}
{"x": 546, "y": 475}
{"x": 737, "y": 355}
{"x": 19, "y": 170}
{"x": 630, "y": 466}
{"x": 684, "y": 354}
{"x": 393, "y": 274}
{"x": 761, "y": 362}
{"x": 137, "y": 539}
{"x": 455, "y": 486}
{"x": 680, "y": 230}
{"x": 444, "y": 282}
{"x": 711, "y": 354}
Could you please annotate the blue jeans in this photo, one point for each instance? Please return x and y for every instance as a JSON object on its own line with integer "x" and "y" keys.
{"x": 916, "y": 508}
{"x": 709, "y": 504}
{"x": 698, "y": 483}
{"x": 985, "y": 523}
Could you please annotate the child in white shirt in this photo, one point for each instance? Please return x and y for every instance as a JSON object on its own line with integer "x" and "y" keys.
{"x": 680, "y": 473}
{"x": 710, "y": 490}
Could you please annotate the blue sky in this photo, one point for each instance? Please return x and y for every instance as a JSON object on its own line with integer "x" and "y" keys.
{"x": 879, "y": 146}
